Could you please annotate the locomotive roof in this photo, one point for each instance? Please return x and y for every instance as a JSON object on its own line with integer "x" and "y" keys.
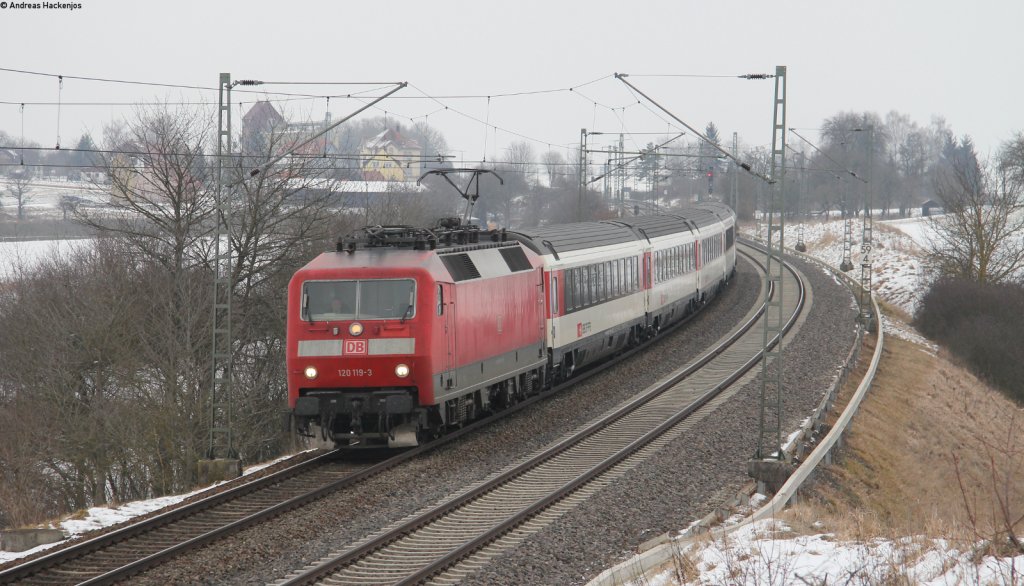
{"x": 455, "y": 263}
{"x": 568, "y": 237}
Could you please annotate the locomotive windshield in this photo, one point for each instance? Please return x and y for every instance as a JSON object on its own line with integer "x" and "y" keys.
{"x": 363, "y": 299}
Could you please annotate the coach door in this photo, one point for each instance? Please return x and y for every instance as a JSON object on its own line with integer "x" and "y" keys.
{"x": 447, "y": 304}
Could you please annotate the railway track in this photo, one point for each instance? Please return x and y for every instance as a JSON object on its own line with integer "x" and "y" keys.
{"x": 117, "y": 555}
{"x": 451, "y": 540}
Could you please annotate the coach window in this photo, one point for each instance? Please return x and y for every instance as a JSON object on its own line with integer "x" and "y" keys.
{"x": 440, "y": 300}
{"x": 603, "y": 280}
{"x": 577, "y": 299}
{"x": 616, "y": 287}
{"x": 581, "y": 287}
{"x": 568, "y": 290}
{"x": 585, "y": 286}
{"x": 554, "y": 295}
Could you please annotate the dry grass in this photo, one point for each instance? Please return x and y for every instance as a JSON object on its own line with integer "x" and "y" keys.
{"x": 895, "y": 312}
{"x": 886, "y": 228}
{"x": 827, "y": 239}
{"x": 932, "y": 452}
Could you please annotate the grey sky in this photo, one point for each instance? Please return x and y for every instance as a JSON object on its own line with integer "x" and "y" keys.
{"x": 959, "y": 60}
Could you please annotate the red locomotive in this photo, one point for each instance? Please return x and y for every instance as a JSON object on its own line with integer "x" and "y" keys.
{"x": 403, "y": 333}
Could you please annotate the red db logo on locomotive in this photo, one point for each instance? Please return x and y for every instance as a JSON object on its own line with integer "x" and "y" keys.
{"x": 355, "y": 347}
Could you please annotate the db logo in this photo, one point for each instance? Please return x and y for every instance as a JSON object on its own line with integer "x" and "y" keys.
{"x": 355, "y": 347}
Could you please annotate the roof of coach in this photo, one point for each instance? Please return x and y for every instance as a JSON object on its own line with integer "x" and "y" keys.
{"x": 680, "y": 220}
{"x": 656, "y": 225}
{"x": 719, "y": 209}
{"x": 569, "y": 237}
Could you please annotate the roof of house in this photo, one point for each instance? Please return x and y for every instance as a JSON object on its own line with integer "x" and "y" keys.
{"x": 390, "y": 136}
{"x": 261, "y": 113}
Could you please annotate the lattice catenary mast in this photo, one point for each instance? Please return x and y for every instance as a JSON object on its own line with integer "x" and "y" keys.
{"x": 774, "y": 320}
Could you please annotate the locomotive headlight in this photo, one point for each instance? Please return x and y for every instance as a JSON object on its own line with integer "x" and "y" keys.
{"x": 311, "y": 372}
{"x": 355, "y": 328}
{"x": 402, "y": 371}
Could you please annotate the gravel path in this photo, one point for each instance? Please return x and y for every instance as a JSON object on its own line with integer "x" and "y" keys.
{"x": 704, "y": 468}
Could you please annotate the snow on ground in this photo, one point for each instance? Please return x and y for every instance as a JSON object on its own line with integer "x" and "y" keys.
{"x": 900, "y": 273}
{"x": 46, "y": 195}
{"x": 17, "y": 256}
{"x": 100, "y": 517}
{"x": 768, "y": 552}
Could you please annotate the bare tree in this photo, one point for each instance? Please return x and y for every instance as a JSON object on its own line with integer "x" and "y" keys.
{"x": 433, "y": 144}
{"x": 1011, "y": 160}
{"x": 19, "y": 186}
{"x": 84, "y": 413}
{"x": 978, "y": 237}
{"x": 554, "y": 167}
{"x": 277, "y": 212}
{"x": 518, "y": 169}
{"x": 160, "y": 184}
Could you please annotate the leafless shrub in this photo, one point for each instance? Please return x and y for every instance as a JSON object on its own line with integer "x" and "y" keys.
{"x": 982, "y": 324}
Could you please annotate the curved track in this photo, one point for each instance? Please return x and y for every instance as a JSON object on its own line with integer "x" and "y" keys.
{"x": 449, "y": 541}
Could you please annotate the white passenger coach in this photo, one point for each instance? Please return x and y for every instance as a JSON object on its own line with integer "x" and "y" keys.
{"x": 613, "y": 283}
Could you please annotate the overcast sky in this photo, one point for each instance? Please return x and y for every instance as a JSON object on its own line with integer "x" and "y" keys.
{"x": 958, "y": 60}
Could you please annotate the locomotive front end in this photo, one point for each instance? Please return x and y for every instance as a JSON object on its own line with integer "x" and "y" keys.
{"x": 357, "y": 351}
